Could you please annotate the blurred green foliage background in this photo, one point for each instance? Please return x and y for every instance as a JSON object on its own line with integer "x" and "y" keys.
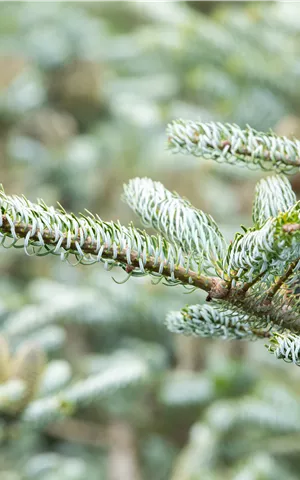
{"x": 86, "y": 91}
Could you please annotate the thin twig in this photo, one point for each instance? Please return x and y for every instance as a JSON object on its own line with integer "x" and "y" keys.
{"x": 248, "y": 285}
{"x": 276, "y": 286}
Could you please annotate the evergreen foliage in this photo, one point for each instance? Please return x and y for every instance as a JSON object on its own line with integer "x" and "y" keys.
{"x": 93, "y": 381}
{"x": 254, "y": 273}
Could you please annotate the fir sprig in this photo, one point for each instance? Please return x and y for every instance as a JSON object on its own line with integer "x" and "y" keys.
{"x": 46, "y": 230}
{"x": 175, "y": 218}
{"x": 286, "y": 346}
{"x": 210, "y": 321}
{"x": 229, "y": 143}
{"x": 272, "y": 196}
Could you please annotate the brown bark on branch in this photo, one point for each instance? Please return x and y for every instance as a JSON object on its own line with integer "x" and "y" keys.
{"x": 216, "y": 287}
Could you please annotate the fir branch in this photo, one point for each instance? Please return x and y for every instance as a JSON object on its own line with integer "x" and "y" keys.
{"x": 185, "y": 388}
{"x": 210, "y": 321}
{"x": 176, "y": 219}
{"x": 270, "y": 247}
{"x": 46, "y": 230}
{"x": 229, "y": 143}
{"x": 123, "y": 371}
{"x": 272, "y": 196}
{"x": 285, "y": 346}
{"x": 227, "y": 415}
{"x": 69, "y": 306}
